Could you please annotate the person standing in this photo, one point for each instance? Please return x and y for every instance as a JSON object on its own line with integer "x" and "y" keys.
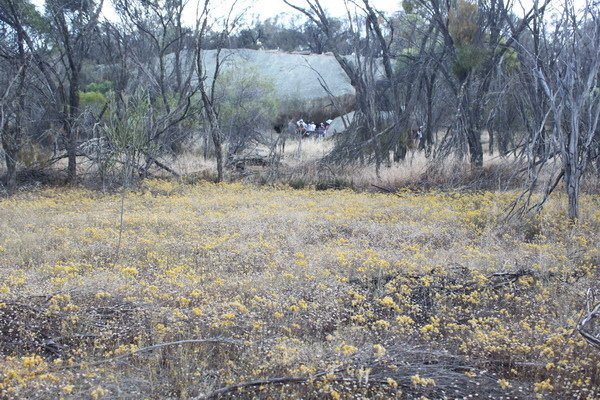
{"x": 301, "y": 127}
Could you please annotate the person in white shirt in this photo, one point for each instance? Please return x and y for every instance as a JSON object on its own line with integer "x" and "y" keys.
{"x": 301, "y": 127}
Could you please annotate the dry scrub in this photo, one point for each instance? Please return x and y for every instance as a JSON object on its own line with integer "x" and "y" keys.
{"x": 233, "y": 291}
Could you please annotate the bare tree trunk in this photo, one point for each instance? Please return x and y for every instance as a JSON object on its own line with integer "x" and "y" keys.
{"x": 503, "y": 141}
{"x": 572, "y": 161}
{"x": 475, "y": 149}
{"x": 567, "y": 84}
{"x": 208, "y": 91}
{"x": 11, "y": 171}
{"x": 378, "y": 159}
{"x": 10, "y": 156}
{"x": 71, "y": 155}
{"x": 205, "y": 150}
{"x": 73, "y": 38}
{"x": 70, "y": 125}
{"x": 12, "y": 135}
{"x": 427, "y": 144}
{"x": 472, "y": 116}
{"x": 572, "y": 186}
{"x": 218, "y": 143}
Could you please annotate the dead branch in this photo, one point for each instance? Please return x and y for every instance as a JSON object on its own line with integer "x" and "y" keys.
{"x": 166, "y": 168}
{"x": 215, "y": 340}
{"x": 286, "y": 380}
{"x": 586, "y": 325}
{"x": 387, "y": 190}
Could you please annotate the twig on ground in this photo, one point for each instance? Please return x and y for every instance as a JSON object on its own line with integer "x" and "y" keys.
{"x": 166, "y": 168}
{"x": 283, "y": 381}
{"x": 215, "y": 340}
{"x": 586, "y": 322}
{"x": 387, "y": 190}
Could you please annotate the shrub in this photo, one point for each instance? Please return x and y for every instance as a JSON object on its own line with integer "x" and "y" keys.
{"x": 333, "y": 183}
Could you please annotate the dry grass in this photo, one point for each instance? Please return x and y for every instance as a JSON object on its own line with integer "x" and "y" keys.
{"x": 292, "y": 293}
{"x": 190, "y": 164}
{"x": 417, "y": 172}
{"x": 306, "y": 150}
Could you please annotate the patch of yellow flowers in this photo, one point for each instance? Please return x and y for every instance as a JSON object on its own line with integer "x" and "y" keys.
{"x": 302, "y": 281}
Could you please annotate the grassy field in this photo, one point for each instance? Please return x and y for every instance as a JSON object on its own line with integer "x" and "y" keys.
{"x": 211, "y": 291}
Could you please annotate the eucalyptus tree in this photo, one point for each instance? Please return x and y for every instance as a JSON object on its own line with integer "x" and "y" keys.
{"x": 208, "y": 76}
{"x": 419, "y": 53}
{"x": 562, "y": 100}
{"x": 477, "y": 36}
{"x": 152, "y": 40}
{"x": 71, "y": 24}
{"x": 15, "y": 62}
{"x": 247, "y": 104}
{"x": 375, "y": 131}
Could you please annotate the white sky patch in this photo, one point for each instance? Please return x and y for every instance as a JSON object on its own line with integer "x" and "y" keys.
{"x": 270, "y": 8}
{"x": 263, "y": 9}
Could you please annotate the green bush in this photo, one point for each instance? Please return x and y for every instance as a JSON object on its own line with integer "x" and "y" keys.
{"x": 335, "y": 184}
{"x": 91, "y": 99}
{"x": 102, "y": 87}
{"x": 297, "y": 183}
{"x": 468, "y": 58}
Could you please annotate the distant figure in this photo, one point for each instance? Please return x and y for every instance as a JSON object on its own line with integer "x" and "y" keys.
{"x": 419, "y": 137}
{"x": 321, "y": 131}
{"x": 301, "y": 127}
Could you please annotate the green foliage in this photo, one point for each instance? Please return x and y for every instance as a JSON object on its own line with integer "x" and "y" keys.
{"x": 297, "y": 183}
{"x": 467, "y": 59}
{"x": 334, "y": 184}
{"x": 95, "y": 95}
{"x": 126, "y": 131}
{"x": 408, "y": 6}
{"x": 462, "y": 23}
{"x": 90, "y": 99}
{"x": 102, "y": 87}
{"x": 126, "y": 127}
{"x": 83, "y": 6}
{"x": 28, "y": 13}
{"x": 33, "y": 154}
{"x": 248, "y": 104}
{"x": 464, "y": 30}
{"x": 404, "y": 61}
{"x": 510, "y": 61}
{"x": 246, "y": 94}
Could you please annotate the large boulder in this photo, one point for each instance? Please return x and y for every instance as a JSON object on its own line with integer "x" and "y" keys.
{"x": 309, "y": 86}
{"x": 340, "y": 124}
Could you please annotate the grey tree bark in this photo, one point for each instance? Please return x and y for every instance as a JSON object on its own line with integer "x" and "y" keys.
{"x": 567, "y": 74}
{"x": 72, "y": 26}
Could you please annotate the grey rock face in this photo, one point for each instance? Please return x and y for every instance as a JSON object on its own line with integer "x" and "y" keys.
{"x": 295, "y": 76}
{"x": 298, "y": 80}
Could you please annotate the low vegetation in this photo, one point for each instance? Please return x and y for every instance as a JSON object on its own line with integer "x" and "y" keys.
{"x": 226, "y": 290}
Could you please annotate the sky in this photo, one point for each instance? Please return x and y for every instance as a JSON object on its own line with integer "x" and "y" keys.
{"x": 269, "y": 8}
{"x": 264, "y": 9}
